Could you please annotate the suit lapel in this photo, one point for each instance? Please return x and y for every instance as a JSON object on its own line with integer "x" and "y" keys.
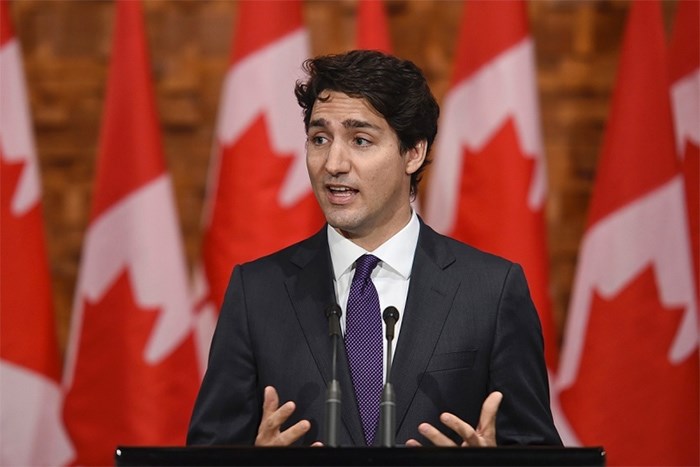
{"x": 430, "y": 297}
{"x": 311, "y": 292}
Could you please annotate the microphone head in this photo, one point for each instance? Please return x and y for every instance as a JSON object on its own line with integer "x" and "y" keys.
{"x": 334, "y": 309}
{"x": 333, "y": 314}
{"x": 390, "y": 316}
{"x": 390, "y": 313}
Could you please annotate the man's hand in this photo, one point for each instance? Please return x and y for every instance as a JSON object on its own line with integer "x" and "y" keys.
{"x": 484, "y": 435}
{"x": 273, "y": 416}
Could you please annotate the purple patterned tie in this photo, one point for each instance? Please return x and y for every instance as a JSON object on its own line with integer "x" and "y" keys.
{"x": 363, "y": 344}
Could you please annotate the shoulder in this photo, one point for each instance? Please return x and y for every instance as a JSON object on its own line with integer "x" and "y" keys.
{"x": 449, "y": 251}
{"x": 289, "y": 258}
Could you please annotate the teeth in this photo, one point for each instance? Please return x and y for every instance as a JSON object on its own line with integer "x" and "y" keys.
{"x": 339, "y": 189}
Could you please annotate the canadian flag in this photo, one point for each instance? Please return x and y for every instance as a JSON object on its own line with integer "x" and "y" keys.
{"x": 259, "y": 196}
{"x": 628, "y": 378}
{"x": 488, "y": 182}
{"x": 31, "y": 429}
{"x": 684, "y": 62}
{"x": 131, "y": 372}
{"x": 372, "y": 27}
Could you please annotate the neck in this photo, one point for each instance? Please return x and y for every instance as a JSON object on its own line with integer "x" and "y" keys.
{"x": 373, "y": 239}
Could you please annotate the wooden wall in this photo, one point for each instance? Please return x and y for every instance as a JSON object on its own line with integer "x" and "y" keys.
{"x": 66, "y": 47}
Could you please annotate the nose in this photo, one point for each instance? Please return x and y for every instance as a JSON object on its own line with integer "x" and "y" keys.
{"x": 337, "y": 161}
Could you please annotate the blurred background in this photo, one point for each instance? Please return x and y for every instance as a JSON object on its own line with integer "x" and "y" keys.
{"x": 66, "y": 49}
{"x": 606, "y": 239}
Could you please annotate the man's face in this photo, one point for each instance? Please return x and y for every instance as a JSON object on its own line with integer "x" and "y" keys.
{"x": 360, "y": 178}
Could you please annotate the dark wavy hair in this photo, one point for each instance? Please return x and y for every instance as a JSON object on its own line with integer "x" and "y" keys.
{"x": 396, "y": 88}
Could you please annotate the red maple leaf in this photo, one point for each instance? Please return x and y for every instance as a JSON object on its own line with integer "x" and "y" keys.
{"x": 116, "y": 397}
{"x": 628, "y": 396}
{"x": 493, "y": 215}
{"x": 248, "y": 221}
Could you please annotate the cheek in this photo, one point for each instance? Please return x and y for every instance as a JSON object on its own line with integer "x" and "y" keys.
{"x": 313, "y": 165}
{"x": 383, "y": 184}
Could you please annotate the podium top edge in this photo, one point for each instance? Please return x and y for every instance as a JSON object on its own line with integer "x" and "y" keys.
{"x": 358, "y": 456}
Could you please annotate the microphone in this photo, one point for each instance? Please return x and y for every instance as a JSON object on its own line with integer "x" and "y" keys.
{"x": 387, "y": 406}
{"x": 391, "y": 317}
{"x": 333, "y": 313}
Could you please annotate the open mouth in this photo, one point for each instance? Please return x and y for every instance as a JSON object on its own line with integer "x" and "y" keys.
{"x": 340, "y": 193}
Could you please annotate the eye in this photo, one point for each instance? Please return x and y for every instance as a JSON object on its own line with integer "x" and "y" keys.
{"x": 317, "y": 140}
{"x": 360, "y": 141}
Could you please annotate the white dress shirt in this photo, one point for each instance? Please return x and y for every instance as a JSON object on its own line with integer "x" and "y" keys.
{"x": 391, "y": 277}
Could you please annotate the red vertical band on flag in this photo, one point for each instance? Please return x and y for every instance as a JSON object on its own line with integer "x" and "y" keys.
{"x": 647, "y": 93}
{"x": 488, "y": 29}
{"x": 129, "y": 109}
{"x": 372, "y": 26}
{"x": 261, "y": 23}
{"x": 6, "y": 30}
{"x": 684, "y": 56}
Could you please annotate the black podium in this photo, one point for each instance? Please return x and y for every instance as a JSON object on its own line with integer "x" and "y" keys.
{"x": 297, "y": 456}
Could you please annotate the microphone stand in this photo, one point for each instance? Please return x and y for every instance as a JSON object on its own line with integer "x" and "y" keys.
{"x": 333, "y": 313}
{"x": 387, "y": 406}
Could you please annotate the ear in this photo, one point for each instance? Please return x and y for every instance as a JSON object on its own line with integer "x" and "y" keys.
{"x": 415, "y": 157}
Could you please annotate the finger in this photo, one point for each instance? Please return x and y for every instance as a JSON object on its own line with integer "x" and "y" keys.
{"x": 317, "y": 444}
{"x": 269, "y": 433}
{"x": 412, "y": 443}
{"x": 435, "y": 436}
{"x": 274, "y": 420}
{"x": 459, "y": 426}
{"x": 271, "y": 400}
{"x": 293, "y": 433}
{"x": 489, "y": 410}
{"x": 274, "y": 415}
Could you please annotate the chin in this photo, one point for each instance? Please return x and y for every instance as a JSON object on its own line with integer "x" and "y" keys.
{"x": 345, "y": 225}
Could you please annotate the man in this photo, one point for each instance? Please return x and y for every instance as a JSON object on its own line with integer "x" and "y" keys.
{"x": 468, "y": 332}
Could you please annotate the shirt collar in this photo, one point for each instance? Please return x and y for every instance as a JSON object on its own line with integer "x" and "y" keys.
{"x": 396, "y": 253}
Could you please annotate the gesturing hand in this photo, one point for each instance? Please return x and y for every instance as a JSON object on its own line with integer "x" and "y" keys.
{"x": 483, "y": 435}
{"x": 273, "y": 416}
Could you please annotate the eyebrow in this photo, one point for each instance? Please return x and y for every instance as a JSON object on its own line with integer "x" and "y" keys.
{"x": 349, "y": 123}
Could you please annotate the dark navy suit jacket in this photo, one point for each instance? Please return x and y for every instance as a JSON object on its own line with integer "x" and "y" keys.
{"x": 469, "y": 328}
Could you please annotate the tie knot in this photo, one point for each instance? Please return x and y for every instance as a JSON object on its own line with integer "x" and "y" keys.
{"x": 364, "y": 266}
